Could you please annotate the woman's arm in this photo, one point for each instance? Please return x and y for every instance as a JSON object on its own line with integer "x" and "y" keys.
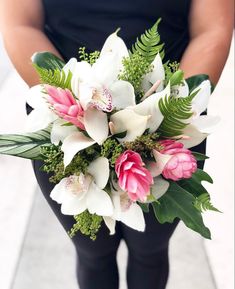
{"x": 211, "y": 27}
{"x": 22, "y": 28}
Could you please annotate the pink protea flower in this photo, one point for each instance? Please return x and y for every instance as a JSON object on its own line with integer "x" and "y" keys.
{"x": 65, "y": 105}
{"x": 181, "y": 165}
{"x": 133, "y": 177}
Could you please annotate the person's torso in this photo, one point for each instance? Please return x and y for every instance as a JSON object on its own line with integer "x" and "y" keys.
{"x": 71, "y": 24}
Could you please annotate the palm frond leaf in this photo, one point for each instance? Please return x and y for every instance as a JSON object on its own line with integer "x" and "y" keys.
{"x": 26, "y": 146}
{"x": 203, "y": 203}
{"x": 176, "y": 112}
{"x": 55, "y": 77}
{"x": 149, "y": 44}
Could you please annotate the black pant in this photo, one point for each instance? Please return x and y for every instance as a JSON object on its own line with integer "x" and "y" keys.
{"x": 148, "y": 264}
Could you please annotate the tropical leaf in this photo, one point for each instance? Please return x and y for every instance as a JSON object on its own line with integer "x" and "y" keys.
{"x": 25, "y": 146}
{"x": 148, "y": 45}
{"x": 203, "y": 203}
{"x": 194, "y": 184}
{"x": 47, "y": 61}
{"x": 55, "y": 77}
{"x": 178, "y": 203}
{"x": 194, "y": 81}
{"x": 176, "y": 112}
{"x": 144, "y": 207}
{"x": 200, "y": 157}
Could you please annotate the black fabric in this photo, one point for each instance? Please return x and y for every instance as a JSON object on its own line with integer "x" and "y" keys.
{"x": 148, "y": 265}
{"x": 74, "y": 23}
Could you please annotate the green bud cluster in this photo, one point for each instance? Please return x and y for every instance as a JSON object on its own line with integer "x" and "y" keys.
{"x": 143, "y": 144}
{"x": 88, "y": 224}
{"x": 53, "y": 163}
{"x": 88, "y": 57}
{"x": 135, "y": 68}
{"x": 111, "y": 149}
{"x": 170, "y": 69}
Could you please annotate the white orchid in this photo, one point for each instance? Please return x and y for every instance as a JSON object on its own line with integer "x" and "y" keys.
{"x": 129, "y": 212}
{"x": 85, "y": 192}
{"x": 98, "y": 84}
{"x": 126, "y": 211}
{"x": 157, "y": 74}
{"x": 137, "y": 119}
{"x": 200, "y": 126}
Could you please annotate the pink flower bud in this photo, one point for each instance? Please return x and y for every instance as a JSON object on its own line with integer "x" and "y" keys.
{"x": 65, "y": 105}
{"x": 134, "y": 178}
{"x": 182, "y": 163}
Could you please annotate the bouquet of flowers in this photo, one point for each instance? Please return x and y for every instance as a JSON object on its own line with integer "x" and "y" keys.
{"x": 114, "y": 130}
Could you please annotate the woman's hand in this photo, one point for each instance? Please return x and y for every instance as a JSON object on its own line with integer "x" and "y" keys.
{"x": 211, "y": 26}
{"x": 22, "y": 24}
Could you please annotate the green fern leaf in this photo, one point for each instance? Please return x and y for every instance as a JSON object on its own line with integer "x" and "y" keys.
{"x": 203, "y": 203}
{"x": 176, "y": 112}
{"x": 55, "y": 77}
{"x": 148, "y": 45}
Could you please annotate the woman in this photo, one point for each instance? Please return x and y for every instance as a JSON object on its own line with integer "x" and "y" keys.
{"x": 197, "y": 33}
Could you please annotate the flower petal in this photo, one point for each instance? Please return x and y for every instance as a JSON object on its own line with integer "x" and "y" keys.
{"x": 106, "y": 69}
{"x": 193, "y": 136}
{"x": 128, "y": 121}
{"x": 98, "y": 201}
{"x": 111, "y": 224}
{"x": 96, "y": 124}
{"x": 39, "y": 118}
{"x": 158, "y": 73}
{"x": 81, "y": 73}
{"x": 70, "y": 66}
{"x": 59, "y": 132}
{"x": 161, "y": 160}
{"x": 150, "y": 107}
{"x": 123, "y": 94}
{"x": 134, "y": 218}
{"x": 73, "y": 144}
{"x": 99, "y": 169}
{"x": 36, "y": 98}
{"x": 58, "y": 194}
{"x": 201, "y": 100}
{"x": 73, "y": 206}
{"x": 206, "y": 123}
{"x": 160, "y": 187}
{"x": 115, "y": 44}
{"x": 181, "y": 90}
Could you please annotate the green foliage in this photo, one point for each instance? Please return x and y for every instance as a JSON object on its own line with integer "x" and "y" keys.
{"x": 57, "y": 77}
{"x": 194, "y": 81}
{"x": 87, "y": 224}
{"x": 176, "y": 112}
{"x": 203, "y": 203}
{"x": 88, "y": 57}
{"x": 194, "y": 184}
{"x": 179, "y": 203}
{"x": 170, "y": 69}
{"x": 144, "y": 207}
{"x": 111, "y": 149}
{"x": 47, "y": 61}
{"x": 143, "y": 144}
{"x": 149, "y": 44}
{"x": 200, "y": 157}
{"x": 53, "y": 163}
{"x": 135, "y": 68}
{"x": 25, "y": 146}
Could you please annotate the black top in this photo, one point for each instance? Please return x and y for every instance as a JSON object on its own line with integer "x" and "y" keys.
{"x": 74, "y": 23}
